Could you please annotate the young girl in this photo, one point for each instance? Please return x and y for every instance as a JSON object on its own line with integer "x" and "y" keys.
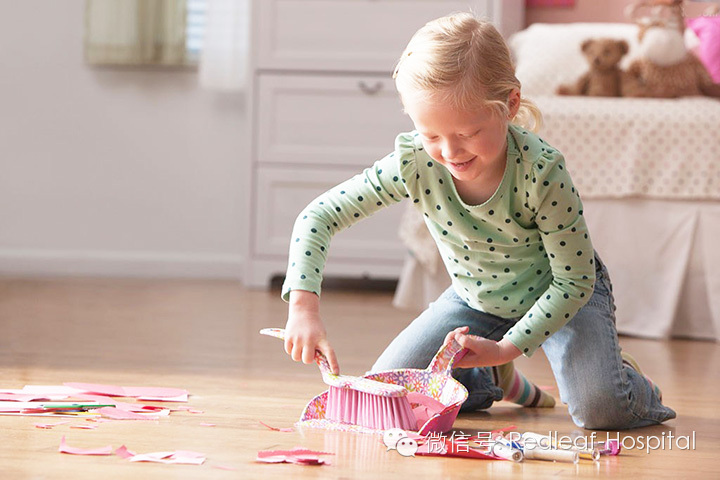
{"x": 508, "y": 223}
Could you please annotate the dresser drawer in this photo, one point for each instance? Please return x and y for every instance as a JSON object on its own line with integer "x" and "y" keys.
{"x": 327, "y": 120}
{"x": 346, "y": 35}
{"x": 283, "y": 193}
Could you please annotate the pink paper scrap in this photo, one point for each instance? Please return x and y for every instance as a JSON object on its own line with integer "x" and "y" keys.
{"x": 123, "y": 452}
{"x": 84, "y": 427}
{"x": 21, "y": 397}
{"x": 297, "y": 455}
{"x": 65, "y": 448}
{"x": 48, "y": 426}
{"x": 129, "y": 407}
{"x": 157, "y": 393}
{"x": 286, "y": 429}
{"x": 185, "y": 457}
{"x": 52, "y": 391}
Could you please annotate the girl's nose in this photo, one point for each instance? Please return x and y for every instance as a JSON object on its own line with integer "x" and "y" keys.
{"x": 450, "y": 150}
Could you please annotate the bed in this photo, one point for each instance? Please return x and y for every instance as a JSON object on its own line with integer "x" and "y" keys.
{"x": 648, "y": 171}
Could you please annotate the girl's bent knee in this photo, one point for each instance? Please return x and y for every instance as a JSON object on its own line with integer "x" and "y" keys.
{"x": 603, "y": 412}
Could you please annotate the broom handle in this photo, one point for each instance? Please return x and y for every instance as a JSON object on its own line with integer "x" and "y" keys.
{"x": 446, "y": 357}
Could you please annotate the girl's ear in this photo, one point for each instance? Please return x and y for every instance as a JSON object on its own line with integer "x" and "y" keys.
{"x": 513, "y": 103}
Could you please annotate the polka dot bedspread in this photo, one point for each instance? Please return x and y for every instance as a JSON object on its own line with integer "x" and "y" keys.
{"x": 627, "y": 147}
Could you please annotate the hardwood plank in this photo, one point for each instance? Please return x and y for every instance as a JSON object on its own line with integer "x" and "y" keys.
{"x": 202, "y": 335}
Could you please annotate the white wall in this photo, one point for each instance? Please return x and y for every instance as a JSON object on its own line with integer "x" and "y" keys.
{"x": 112, "y": 171}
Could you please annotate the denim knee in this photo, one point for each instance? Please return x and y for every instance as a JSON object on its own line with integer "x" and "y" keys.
{"x": 600, "y": 419}
{"x": 482, "y": 392}
{"x": 602, "y": 409}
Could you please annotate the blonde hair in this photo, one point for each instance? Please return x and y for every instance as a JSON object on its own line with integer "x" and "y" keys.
{"x": 464, "y": 61}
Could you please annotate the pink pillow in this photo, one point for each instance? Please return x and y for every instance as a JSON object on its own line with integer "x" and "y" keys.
{"x": 707, "y": 30}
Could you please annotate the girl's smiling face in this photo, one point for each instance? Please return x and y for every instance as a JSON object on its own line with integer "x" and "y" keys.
{"x": 470, "y": 144}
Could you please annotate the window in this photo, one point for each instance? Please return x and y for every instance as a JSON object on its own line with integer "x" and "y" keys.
{"x": 144, "y": 32}
{"x": 195, "y": 28}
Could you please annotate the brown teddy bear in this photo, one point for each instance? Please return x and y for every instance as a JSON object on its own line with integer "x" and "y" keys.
{"x": 665, "y": 68}
{"x": 604, "y": 78}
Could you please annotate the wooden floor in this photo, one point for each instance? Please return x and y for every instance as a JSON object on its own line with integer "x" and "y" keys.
{"x": 202, "y": 336}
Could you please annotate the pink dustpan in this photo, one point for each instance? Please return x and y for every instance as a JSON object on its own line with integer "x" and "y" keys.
{"x": 435, "y": 395}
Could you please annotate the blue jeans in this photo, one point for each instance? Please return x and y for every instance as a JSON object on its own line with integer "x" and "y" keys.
{"x": 601, "y": 392}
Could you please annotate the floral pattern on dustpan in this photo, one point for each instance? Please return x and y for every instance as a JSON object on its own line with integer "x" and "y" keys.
{"x": 434, "y": 381}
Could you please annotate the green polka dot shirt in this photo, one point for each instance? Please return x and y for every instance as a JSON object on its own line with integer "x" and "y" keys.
{"x": 524, "y": 254}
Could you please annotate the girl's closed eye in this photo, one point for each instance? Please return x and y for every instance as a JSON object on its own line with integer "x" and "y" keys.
{"x": 469, "y": 135}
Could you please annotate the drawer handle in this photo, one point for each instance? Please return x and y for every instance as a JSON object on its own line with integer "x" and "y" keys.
{"x": 370, "y": 90}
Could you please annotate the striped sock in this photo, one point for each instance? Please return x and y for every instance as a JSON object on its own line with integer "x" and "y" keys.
{"x": 518, "y": 389}
{"x": 630, "y": 361}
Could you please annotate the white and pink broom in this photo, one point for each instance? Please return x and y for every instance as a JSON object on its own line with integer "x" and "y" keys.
{"x": 361, "y": 401}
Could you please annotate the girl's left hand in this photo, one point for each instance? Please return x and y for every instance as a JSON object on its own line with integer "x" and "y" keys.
{"x": 482, "y": 352}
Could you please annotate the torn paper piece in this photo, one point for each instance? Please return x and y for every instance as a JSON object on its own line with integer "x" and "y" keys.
{"x": 48, "y": 426}
{"x": 286, "y": 429}
{"x": 108, "y": 390}
{"x": 130, "y": 407}
{"x": 118, "y": 414}
{"x": 50, "y": 390}
{"x": 297, "y": 455}
{"x": 65, "y": 448}
{"x": 84, "y": 427}
{"x": 184, "y": 457}
{"x": 23, "y": 397}
{"x": 156, "y": 393}
{"x": 123, "y": 452}
{"x": 424, "y": 407}
{"x": 36, "y": 409}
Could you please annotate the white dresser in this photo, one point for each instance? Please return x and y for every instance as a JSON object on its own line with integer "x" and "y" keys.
{"x": 323, "y": 107}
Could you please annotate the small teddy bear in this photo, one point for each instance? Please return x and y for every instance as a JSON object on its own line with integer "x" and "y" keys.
{"x": 603, "y": 79}
{"x": 664, "y": 67}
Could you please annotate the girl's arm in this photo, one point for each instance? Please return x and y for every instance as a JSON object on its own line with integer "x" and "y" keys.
{"x": 483, "y": 352}
{"x": 567, "y": 246}
{"x": 387, "y": 182}
{"x": 304, "y": 332}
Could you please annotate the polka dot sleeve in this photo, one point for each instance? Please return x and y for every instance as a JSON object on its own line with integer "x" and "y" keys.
{"x": 383, "y": 184}
{"x": 565, "y": 239}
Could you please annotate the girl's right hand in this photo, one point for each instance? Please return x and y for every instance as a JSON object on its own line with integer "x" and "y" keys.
{"x": 305, "y": 332}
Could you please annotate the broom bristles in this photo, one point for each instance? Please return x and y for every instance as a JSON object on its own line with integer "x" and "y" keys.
{"x": 350, "y": 406}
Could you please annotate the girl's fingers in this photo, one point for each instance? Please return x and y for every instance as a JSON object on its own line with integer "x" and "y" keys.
{"x": 332, "y": 360}
{"x": 472, "y": 342}
{"x": 288, "y": 346}
{"x": 308, "y": 354}
{"x": 455, "y": 333}
{"x": 296, "y": 353}
{"x": 464, "y": 363}
{"x": 327, "y": 350}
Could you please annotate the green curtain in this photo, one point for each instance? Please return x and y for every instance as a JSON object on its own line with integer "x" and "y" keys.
{"x": 135, "y": 32}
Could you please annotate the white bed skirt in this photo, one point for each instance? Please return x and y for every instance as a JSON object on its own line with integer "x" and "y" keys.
{"x": 664, "y": 261}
